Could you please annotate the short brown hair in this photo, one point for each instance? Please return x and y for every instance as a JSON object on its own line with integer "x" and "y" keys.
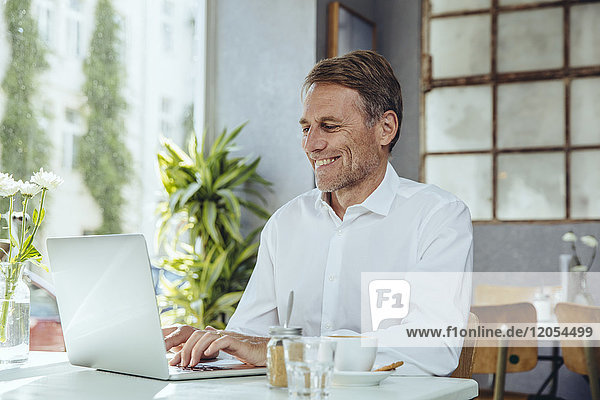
{"x": 370, "y": 75}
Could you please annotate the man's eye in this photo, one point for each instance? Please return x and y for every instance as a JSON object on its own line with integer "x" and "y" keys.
{"x": 330, "y": 127}
{"x": 305, "y": 130}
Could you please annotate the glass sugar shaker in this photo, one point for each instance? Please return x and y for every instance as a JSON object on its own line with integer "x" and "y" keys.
{"x": 276, "y": 373}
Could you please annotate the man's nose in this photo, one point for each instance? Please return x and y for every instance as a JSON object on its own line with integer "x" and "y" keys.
{"x": 314, "y": 140}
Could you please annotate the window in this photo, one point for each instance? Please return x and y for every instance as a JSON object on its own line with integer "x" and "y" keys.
{"x": 61, "y": 109}
{"x": 73, "y": 31}
{"x": 72, "y": 132}
{"x": 167, "y": 36}
{"x": 165, "y": 115}
{"x": 511, "y": 90}
{"x": 44, "y": 15}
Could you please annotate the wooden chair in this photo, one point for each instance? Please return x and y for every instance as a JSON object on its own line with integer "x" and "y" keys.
{"x": 499, "y": 358}
{"x": 580, "y": 356}
{"x": 467, "y": 354}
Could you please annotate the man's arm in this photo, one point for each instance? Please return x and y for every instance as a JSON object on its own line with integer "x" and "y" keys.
{"x": 257, "y": 309}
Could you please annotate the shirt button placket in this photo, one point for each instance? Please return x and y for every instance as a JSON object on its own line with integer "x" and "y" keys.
{"x": 330, "y": 288}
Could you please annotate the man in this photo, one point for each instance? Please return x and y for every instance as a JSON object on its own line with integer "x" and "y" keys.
{"x": 361, "y": 218}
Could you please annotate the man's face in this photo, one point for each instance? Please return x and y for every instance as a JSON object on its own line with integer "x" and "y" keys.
{"x": 342, "y": 150}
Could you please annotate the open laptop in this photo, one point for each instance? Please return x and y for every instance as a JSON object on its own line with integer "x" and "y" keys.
{"x": 108, "y": 309}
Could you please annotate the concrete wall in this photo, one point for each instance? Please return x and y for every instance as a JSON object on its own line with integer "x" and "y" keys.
{"x": 259, "y": 54}
{"x": 399, "y": 40}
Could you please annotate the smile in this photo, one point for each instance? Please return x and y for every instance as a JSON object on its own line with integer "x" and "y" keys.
{"x": 325, "y": 161}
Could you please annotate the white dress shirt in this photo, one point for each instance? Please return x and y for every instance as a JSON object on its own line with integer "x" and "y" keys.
{"x": 403, "y": 226}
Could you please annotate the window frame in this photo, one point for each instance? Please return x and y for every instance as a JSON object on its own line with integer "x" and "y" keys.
{"x": 566, "y": 73}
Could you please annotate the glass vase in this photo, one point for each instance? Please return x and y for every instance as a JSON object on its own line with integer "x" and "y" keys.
{"x": 14, "y": 314}
{"x": 578, "y": 291}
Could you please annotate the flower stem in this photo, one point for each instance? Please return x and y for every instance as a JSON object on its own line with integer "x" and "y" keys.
{"x": 25, "y": 248}
{"x": 3, "y": 318}
{"x": 23, "y": 225}
{"x": 10, "y": 238}
{"x": 12, "y": 275}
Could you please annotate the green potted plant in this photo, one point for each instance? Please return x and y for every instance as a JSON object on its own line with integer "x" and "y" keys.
{"x": 200, "y": 229}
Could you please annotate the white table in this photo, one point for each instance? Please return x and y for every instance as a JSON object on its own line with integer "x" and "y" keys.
{"x": 50, "y": 376}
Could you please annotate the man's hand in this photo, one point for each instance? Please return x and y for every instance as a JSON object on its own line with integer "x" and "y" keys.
{"x": 195, "y": 344}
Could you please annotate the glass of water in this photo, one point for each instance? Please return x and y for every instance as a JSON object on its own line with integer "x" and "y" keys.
{"x": 309, "y": 367}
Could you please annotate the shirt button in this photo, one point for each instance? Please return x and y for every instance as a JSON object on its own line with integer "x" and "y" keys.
{"x": 328, "y": 326}
{"x": 331, "y": 277}
{"x": 339, "y": 232}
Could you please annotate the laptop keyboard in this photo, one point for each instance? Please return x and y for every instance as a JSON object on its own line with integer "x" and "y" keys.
{"x": 201, "y": 367}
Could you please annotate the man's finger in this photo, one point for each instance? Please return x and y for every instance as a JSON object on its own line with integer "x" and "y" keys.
{"x": 178, "y": 336}
{"x": 168, "y": 330}
{"x": 186, "y": 351}
{"x": 199, "y": 348}
{"x": 176, "y": 359}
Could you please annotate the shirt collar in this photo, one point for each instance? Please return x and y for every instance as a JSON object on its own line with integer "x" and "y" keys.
{"x": 379, "y": 202}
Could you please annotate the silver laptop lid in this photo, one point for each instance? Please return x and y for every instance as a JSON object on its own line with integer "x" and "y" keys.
{"x": 107, "y": 305}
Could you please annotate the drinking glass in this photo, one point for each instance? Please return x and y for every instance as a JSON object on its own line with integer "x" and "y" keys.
{"x": 309, "y": 366}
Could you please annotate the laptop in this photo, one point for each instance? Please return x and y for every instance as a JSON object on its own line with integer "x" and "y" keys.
{"x": 108, "y": 310}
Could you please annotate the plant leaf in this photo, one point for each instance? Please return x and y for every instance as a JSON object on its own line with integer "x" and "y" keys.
{"x": 232, "y": 229}
{"x": 209, "y": 217}
{"x": 231, "y": 200}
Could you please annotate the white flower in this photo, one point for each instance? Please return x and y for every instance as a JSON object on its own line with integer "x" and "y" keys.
{"x": 28, "y": 188}
{"x": 46, "y": 179}
{"x": 8, "y": 186}
{"x": 590, "y": 241}
{"x": 569, "y": 237}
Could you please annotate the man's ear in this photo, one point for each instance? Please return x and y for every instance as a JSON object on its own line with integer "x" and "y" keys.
{"x": 389, "y": 127}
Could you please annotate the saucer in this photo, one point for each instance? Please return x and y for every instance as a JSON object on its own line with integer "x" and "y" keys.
{"x": 359, "y": 378}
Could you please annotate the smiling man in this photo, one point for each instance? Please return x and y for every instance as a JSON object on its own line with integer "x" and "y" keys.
{"x": 362, "y": 217}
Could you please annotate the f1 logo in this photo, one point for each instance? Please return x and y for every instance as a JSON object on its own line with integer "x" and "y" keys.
{"x": 389, "y": 300}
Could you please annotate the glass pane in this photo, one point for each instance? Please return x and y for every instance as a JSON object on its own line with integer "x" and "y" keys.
{"x": 585, "y": 184}
{"x": 585, "y": 35}
{"x": 530, "y": 40}
{"x": 459, "y": 119}
{"x": 354, "y": 33}
{"x": 531, "y": 186}
{"x": 444, "y": 6}
{"x": 531, "y": 114}
{"x": 468, "y": 176}
{"x": 515, "y": 2}
{"x": 585, "y": 111}
{"x": 460, "y": 46}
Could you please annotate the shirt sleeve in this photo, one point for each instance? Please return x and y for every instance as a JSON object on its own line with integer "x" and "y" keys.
{"x": 440, "y": 284}
{"x": 257, "y": 309}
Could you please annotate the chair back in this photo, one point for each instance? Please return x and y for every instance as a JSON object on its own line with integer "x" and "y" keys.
{"x": 519, "y": 358}
{"x": 467, "y": 354}
{"x": 573, "y": 352}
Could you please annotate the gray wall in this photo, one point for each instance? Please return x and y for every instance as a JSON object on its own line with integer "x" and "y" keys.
{"x": 259, "y": 54}
{"x": 399, "y": 40}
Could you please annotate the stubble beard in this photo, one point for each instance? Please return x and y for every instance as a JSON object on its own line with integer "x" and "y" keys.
{"x": 348, "y": 178}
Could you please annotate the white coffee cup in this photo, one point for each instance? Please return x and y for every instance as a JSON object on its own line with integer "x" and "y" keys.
{"x": 354, "y": 353}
